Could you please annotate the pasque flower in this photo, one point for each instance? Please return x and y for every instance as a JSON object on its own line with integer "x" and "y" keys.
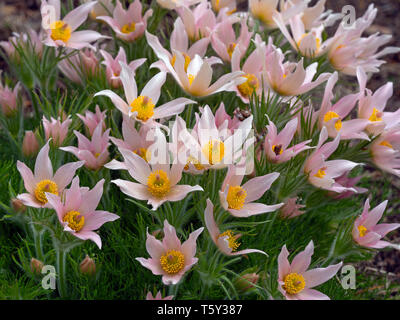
{"x": 322, "y": 173}
{"x": 296, "y": 282}
{"x": 30, "y": 144}
{"x": 8, "y": 98}
{"x": 30, "y": 40}
{"x": 91, "y": 120}
{"x": 291, "y": 208}
{"x": 228, "y": 5}
{"x": 170, "y": 258}
{"x": 77, "y": 212}
{"x": 367, "y": 232}
{"x": 94, "y": 152}
{"x": 128, "y": 24}
{"x": 80, "y": 66}
{"x": 226, "y": 241}
{"x": 143, "y": 107}
{"x": 56, "y": 129}
{"x": 276, "y": 145}
{"x": 101, "y": 8}
{"x": 43, "y": 180}
{"x": 239, "y": 199}
{"x": 158, "y": 296}
{"x": 348, "y": 182}
{"x": 62, "y": 32}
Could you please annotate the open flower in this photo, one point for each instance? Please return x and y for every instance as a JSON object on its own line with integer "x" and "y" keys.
{"x": 367, "y": 232}
{"x": 158, "y": 296}
{"x": 226, "y": 241}
{"x": 276, "y": 145}
{"x": 43, "y": 180}
{"x": 94, "y": 152}
{"x": 238, "y": 199}
{"x": 56, "y": 129}
{"x": 113, "y": 66}
{"x": 322, "y": 173}
{"x": 91, "y": 120}
{"x": 158, "y": 181}
{"x": 128, "y": 24}
{"x": 170, "y": 258}
{"x": 143, "y": 107}
{"x": 77, "y": 212}
{"x": 61, "y": 32}
{"x": 296, "y": 282}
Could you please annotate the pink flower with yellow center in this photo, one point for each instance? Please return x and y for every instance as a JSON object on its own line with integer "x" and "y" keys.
{"x": 43, "y": 180}
{"x": 170, "y": 258}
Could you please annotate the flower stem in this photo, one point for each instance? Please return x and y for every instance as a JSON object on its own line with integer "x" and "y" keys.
{"x": 61, "y": 259}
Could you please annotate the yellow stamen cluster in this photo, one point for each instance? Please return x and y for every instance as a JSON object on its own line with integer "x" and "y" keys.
{"x": 333, "y": 115}
{"x": 230, "y": 49}
{"x": 144, "y": 107}
{"x": 376, "y": 115}
{"x": 321, "y": 173}
{"x": 236, "y": 197}
{"x": 277, "y": 149}
{"x": 75, "y": 220}
{"x": 96, "y": 155}
{"x": 196, "y": 163}
{"x": 172, "y": 262}
{"x": 386, "y": 144}
{"x": 128, "y": 28}
{"x": 187, "y": 60}
{"x": 45, "y": 186}
{"x": 60, "y": 31}
{"x": 247, "y": 88}
{"x": 214, "y": 151}
{"x": 144, "y": 153}
{"x": 158, "y": 183}
{"x": 362, "y": 231}
{"x": 294, "y": 283}
{"x": 232, "y": 242}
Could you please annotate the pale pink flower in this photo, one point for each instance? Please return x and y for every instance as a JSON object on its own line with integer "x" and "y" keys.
{"x": 30, "y": 144}
{"x": 170, "y": 258}
{"x": 228, "y": 5}
{"x": 43, "y": 180}
{"x": 348, "y": 182}
{"x": 331, "y": 116}
{"x": 143, "y": 107}
{"x": 113, "y": 67}
{"x": 8, "y": 98}
{"x": 367, "y": 232}
{"x": 56, "y": 129}
{"x": 77, "y": 212}
{"x": 94, "y": 152}
{"x": 62, "y": 32}
{"x": 224, "y": 120}
{"x": 291, "y": 208}
{"x": 322, "y": 173}
{"x": 385, "y": 151}
{"x": 30, "y": 40}
{"x": 101, "y": 8}
{"x": 239, "y": 199}
{"x": 158, "y": 296}
{"x": 224, "y": 40}
{"x": 295, "y": 282}
{"x": 276, "y": 145}
{"x": 226, "y": 241}
{"x": 128, "y": 24}
{"x": 80, "y": 66}
{"x": 173, "y": 4}
{"x": 349, "y": 50}
{"x": 92, "y": 120}
{"x": 158, "y": 180}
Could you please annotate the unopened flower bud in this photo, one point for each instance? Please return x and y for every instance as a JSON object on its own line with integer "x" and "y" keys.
{"x": 17, "y": 205}
{"x": 246, "y": 281}
{"x": 88, "y": 266}
{"x": 36, "y": 266}
{"x": 30, "y": 144}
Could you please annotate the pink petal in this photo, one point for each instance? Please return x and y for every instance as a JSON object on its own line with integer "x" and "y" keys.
{"x": 27, "y": 176}
{"x": 256, "y": 187}
{"x": 302, "y": 261}
{"x": 43, "y": 166}
{"x": 132, "y": 189}
{"x": 170, "y": 241}
{"x": 317, "y": 276}
{"x": 65, "y": 173}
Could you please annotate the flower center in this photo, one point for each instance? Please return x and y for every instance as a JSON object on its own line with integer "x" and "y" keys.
{"x": 230, "y": 49}
{"x": 75, "y": 220}
{"x": 144, "y": 153}
{"x": 232, "y": 242}
{"x": 294, "y": 283}
{"x": 144, "y": 107}
{"x": 187, "y": 60}
{"x": 362, "y": 231}
{"x": 195, "y": 162}
{"x": 236, "y": 197}
{"x": 60, "y": 31}
{"x": 128, "y": 28}
{"x": 321, "y": 173}
{"x": 45, "y": 186}
{"x": 247, "y": 88}
{"x": 333, "y": 115}
{"x": 277, "y": 149}
{"x": 214, "y": 150}
{"x": 158, "y": 184}
{"x": 317, "y": 41}
{"x": 172, "y": 262}
{"x": 386, "y": 144}
{"x": 375, "y": 116}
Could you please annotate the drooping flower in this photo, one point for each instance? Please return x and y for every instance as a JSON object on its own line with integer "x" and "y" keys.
{"x": 56, "y": 129}
{"x": 92, "y": 120}
{"x": 43, "y": 180}
{"x": 276, "y": 144}
{"x": 158, "y": 296}
{"x": 143, "y": 107}
{"x": 367, "y": 232}
{"x": 62, "y": 32}
{"x": 291, "y": 208}
{"x": 113, "y": 66}
{"x": 170, "y": 258}
{"x": 8, "y": 98}
{"x": 296, "y": 282}
{"x": 77, "y": 212}
{"x": 128, "y": 24}
{"x": 239, "y": 199}
{"x": 322, "y": 173}
{"x": 226, "y": 241}
{"x": 95, "y": 151}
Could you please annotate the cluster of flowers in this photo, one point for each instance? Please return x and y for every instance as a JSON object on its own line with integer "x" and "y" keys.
{"x": 216, "y": 141}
